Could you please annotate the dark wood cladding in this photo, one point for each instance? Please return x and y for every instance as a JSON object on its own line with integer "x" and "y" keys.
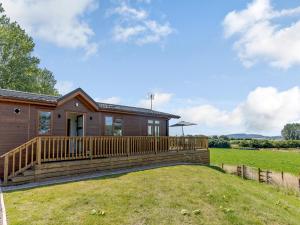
{"x": 16, "y": 129}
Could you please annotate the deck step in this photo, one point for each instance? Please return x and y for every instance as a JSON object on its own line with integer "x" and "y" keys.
{"x": 22, "y": 179}
{"x": 28, "y": 173}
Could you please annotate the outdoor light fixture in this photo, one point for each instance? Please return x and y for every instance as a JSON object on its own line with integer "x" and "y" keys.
{"x": 17, "y": 111}
{"x": 76, "y": 104}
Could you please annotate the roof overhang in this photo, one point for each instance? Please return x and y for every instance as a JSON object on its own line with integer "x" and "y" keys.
{"x": 25, "y": 101}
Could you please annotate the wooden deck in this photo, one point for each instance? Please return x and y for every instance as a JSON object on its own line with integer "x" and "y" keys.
{"x": 33, "y": 160}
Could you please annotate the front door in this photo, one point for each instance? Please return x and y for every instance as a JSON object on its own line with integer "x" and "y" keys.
{"x": 75, "y": 125}
{"x": 75, "y": 128}
{"x": 79, "y": 125}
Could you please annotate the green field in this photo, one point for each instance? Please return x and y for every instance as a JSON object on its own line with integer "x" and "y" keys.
{"x": 157, "y": 196}
{"x": 287, "y": 161}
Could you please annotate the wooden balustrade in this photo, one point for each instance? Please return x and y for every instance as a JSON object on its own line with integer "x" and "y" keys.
{"x": 50, "y": 148}
{"x": 20, "y": 159}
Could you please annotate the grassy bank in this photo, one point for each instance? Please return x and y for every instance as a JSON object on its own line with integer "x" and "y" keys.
{"x": 287, "y": 161}
{"x": 158, "y": 196}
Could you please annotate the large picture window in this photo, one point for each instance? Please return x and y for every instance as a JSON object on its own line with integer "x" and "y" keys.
{"x": 113, "y": 127}
{"x": 118, "y": 124}
{"x": 109, "y": 125}
{"x": 153, "y": 128}
{"x": 44, "y": 123}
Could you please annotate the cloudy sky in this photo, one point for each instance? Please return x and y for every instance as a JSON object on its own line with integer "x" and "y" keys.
{"x": 228, "y": 65}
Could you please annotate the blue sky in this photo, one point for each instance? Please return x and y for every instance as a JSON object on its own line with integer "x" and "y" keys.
{"x": 230, "y": 66}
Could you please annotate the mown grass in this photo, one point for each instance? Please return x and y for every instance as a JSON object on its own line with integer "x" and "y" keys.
{"x": 287, "y": 161}
{"x": 157, "y": 196}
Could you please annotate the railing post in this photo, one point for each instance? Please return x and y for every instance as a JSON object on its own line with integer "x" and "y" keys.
{"x": 128, "y": 146}
{"x": 91, "y": 148}
{"x": 155, "y": 140}
{"x": 5, "y": 170}
{"x": 39, "y": 151}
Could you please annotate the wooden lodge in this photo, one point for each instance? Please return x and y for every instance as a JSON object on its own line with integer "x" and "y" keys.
{"x": 43, "y": 137}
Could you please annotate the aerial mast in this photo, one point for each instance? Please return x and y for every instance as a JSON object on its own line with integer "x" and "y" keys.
{"x": 151, "y": 97}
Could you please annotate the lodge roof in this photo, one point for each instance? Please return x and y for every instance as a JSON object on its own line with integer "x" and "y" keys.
{"x": 41, "y": 98}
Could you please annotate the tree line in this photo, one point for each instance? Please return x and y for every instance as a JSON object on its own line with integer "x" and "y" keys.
{"x": 290, "y": 134}
{"x": 19, "y": 69}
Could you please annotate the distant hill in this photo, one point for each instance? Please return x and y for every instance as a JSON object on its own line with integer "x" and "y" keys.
{"x": 252, "y": 136}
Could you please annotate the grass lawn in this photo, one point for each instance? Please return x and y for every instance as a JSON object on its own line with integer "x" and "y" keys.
{"x": 287, "y": 161}
{"x": 156, "y": 196}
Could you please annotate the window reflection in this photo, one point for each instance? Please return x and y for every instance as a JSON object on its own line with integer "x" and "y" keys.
{"x": 44, "y": 123}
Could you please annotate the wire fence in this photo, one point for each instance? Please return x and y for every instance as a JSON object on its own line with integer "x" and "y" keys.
{"x": 281, "y": 179}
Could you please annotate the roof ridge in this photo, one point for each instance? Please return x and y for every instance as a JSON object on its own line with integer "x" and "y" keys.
{"x": 55, "y": 99}
{"x": 135, "y": 107}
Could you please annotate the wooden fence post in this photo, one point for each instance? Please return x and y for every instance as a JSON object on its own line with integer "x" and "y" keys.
{"x": 243, "y": 171}
{"x": 268, "y": 178}
{"x": 282, "y": 176}
{"x": 39, "y": 151}
{"x": 222, "y": 166}
{"x": 5, "y": 170}
{"x": 259, "y": 171}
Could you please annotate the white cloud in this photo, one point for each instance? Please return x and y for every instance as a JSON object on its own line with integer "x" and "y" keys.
{"x": 110, "y": 100}
{"x": 264, "y": 34}
{"x": 144, "y": 1}
{"x": 129, "y": 13}
{"x": 156, "y": 33}
{"x": 135, "y": 25}
{"x": 160, "y": 99}
{"x": 123, "y": 34}
{"x": 266, "y": 110}
{"x": 64, "y": 86}
{"x": 60, "y": 22}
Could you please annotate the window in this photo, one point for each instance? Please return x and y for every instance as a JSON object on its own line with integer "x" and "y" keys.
{"x": 150, "y": 131}
{"x": 108, "y": 125}
{"x": 113, "y": 127}
{"x": 157, "y": 128}
{"x": 44, "y": 123}
{"x": 153, "y": 128}
{"x": 118, "y": 127}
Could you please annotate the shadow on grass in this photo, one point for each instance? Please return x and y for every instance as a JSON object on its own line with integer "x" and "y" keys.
{"x": 217, "y": 168}
{"x": 63, "y": 182}
{"x": 101, "y": 176}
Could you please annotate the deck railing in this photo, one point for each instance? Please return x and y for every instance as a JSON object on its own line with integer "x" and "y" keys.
{"x": 51, "y": 148}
